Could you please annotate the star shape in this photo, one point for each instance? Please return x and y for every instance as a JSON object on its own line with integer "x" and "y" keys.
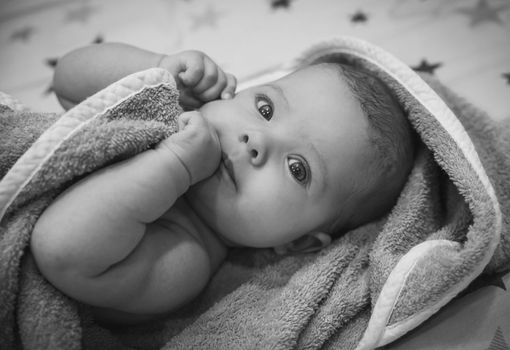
{"x": 497, "y": 279}
{"x": 507, "y": 77}
{"x": 22, "y": 34}
{"x": 51, "y": 62}
{"x": 80, "y": 14}
{"x": 498, "y": 341}
{"x": 98, "y": 39}
{"x": 427, "y": 67}
{"x": 276, "y": 4}
{"x": 207, "y": 18}
{"x": 484, "y": 280}
{"x": 359, "y": 17}
{"x": 483, "y": 12}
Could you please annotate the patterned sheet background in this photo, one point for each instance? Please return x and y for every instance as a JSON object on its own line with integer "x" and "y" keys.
{"x": 466, "y": 43}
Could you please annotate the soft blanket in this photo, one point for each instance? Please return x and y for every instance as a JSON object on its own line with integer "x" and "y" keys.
{"x": 371, "y": 286}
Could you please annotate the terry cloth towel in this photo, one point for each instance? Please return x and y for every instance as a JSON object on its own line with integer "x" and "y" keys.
{"x": 367, "y": 289}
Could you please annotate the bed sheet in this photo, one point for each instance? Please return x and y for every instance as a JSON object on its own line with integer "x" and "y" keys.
{"x": 466, "y": 43}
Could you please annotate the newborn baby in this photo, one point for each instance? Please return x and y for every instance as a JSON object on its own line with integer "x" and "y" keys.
{"x": 289, "y": 164}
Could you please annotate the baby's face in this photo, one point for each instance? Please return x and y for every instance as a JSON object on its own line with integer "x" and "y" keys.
{"x": 293, "y": 151}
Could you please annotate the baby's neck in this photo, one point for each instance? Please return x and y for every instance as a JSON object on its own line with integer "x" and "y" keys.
{"x": 189, "y": 219}
{"x": 203, "y": 222}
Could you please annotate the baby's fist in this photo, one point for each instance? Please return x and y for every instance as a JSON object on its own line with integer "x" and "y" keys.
{"x": 199, "y": 78}
{"x": 197, "y": 146}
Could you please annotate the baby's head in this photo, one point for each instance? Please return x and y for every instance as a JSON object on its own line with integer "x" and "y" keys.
{"x": 313, "y": 154}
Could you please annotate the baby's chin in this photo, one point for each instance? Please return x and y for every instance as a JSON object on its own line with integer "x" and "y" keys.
{"x": 194, "y": 196}
{"x": 202, "y": 200}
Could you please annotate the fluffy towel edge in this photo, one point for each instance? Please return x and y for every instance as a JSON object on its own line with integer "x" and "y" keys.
{"x": 33, "y": 159}
{"x": 12, "y": 103}
{"x": 377, "y": 333}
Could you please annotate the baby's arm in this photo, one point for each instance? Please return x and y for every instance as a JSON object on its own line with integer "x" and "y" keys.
{"x": 102, "y": 241}
{"x": 84, "y": 71}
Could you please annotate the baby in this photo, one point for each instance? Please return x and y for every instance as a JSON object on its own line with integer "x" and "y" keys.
{"x": 288, "y": 165}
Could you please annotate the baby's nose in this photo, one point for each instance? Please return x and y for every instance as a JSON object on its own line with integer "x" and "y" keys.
{"x": 256, "y": 147}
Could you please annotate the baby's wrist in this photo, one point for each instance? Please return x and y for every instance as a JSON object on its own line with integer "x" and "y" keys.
{"x": 177, "y": 165}
{"x": 170, "y": 63}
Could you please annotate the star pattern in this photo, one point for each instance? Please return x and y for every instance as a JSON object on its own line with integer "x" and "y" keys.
{"x": 507, "y": 77}
{"x": 427, "y": 67}
{"x": 208, "y": 18}
{"x": 51, "y": 62}
{"x": 277, "y": 4}
{"x": 22, "y": 34}
{"x": 484, "y": 280}
{"x": 98, "y": 39}
{"x": 497, "y": 279}
{"x": 498, "y": 341}
{"x": 476, "y": 13}
{"x": 359, "y": 17}
{"x": 483, "y": 12}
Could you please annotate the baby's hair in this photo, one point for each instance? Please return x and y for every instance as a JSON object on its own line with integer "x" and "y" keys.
{"x": 392, "y": 139}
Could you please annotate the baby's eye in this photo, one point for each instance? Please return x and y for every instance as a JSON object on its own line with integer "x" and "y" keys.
{"x": 299, "y": 170}
{"x": 265, "y": 107}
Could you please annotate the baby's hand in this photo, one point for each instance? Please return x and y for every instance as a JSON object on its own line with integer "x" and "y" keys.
{"x": 197, "y": 146}
{"x": 199, "y": 78}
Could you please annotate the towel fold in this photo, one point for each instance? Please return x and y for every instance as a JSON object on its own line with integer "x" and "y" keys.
{"x": 367, "y": 289}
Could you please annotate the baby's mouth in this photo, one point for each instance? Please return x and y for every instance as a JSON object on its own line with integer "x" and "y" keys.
{"x": 229, "y": 167}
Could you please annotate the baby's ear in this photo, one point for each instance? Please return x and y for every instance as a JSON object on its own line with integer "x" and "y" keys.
{"x": 308, "y": 243}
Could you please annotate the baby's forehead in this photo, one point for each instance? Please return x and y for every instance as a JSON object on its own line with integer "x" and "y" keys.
{"x": 305, "y": 71}
{"x": 327, "y": 111}
{"x": 324, "y": 69}
{"x": 318, "y": 84}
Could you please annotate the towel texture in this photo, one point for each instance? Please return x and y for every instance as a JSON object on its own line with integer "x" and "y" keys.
{"x": 368, "y": 288}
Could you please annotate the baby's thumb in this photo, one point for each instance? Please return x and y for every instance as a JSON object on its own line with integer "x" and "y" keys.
{"x": 183, "y": 120}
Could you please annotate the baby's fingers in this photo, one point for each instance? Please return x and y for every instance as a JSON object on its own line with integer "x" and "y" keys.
{"x": 229, "y": 91}
{"x": 210, "y": 77}
{"x": 214, "y": 90}
{"x": 188, "y": 101}
{"x": 192, "y": 70}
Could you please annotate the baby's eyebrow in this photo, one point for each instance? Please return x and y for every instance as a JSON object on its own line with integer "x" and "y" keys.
{"x": 279, "y": 91}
